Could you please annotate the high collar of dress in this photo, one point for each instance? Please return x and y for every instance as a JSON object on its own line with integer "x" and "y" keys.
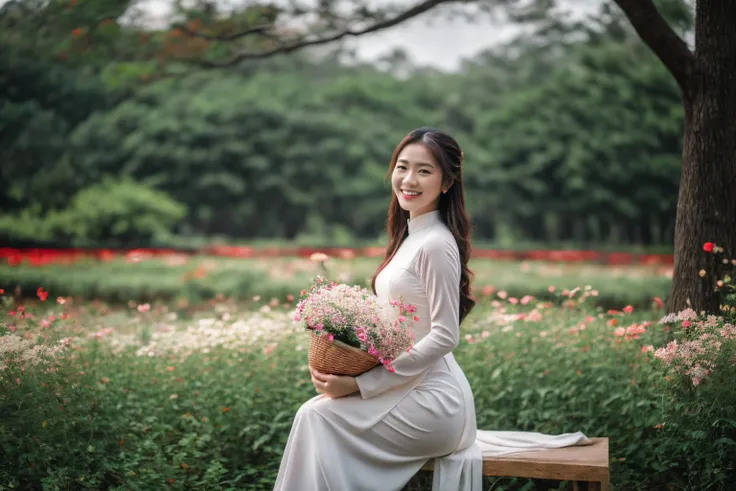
{"x": 423, "y": 221}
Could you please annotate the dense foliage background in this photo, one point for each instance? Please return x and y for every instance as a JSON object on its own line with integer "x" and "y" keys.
{"x": 567, "y": 138}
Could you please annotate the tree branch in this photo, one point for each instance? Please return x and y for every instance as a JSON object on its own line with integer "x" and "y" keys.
{"x": 420, "y": 8}
{"x": 661, "y": 39}
{"x": 262, "y": 29}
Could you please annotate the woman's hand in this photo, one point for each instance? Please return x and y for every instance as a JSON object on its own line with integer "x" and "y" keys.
{"x": 333, "y": 386}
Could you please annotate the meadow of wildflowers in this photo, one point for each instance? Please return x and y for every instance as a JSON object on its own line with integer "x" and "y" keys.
{"x": 194, "y": 279}
{"x": 170, "y": 394}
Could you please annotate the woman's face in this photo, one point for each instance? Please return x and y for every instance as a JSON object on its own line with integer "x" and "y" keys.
{"x": 417, "y": 180}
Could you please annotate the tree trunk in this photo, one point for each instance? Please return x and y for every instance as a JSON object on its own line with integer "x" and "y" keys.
{"x": 706, "y": 208}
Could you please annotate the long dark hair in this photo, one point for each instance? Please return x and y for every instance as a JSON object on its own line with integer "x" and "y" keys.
{"x": 448, "y": 154}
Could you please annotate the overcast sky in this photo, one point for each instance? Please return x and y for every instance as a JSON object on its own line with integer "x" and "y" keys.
{"x": 443, "y": 43}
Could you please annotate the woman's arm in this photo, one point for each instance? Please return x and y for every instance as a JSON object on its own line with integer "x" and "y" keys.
{"x": 438, "y": 268}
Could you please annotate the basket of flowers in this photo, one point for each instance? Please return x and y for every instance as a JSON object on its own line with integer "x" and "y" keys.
{"x": 351, "y": 331}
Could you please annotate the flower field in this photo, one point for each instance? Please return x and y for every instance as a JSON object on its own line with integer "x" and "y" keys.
{"x": 41, "y": 256}
{"x": 185, "y": 372}
{"x": 184, "y": 279}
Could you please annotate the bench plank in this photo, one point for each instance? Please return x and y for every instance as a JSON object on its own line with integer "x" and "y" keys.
{"x": 577, "y": 463}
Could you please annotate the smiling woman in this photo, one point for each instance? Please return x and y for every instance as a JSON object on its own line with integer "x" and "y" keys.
{"x": 378, "y": 429}
{"x": 438, "y": 160}
{"x": 417, "y": 180}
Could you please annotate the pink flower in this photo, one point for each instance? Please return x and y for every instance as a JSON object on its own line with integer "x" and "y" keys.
{"x": 634, "y": 330}
{"x": 668, "y": 353}
{"x": 360, "y": 332}
{"x": 628, "y": 309}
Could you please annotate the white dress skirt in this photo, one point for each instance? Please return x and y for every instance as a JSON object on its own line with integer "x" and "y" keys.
{"x": 381, "y": 436}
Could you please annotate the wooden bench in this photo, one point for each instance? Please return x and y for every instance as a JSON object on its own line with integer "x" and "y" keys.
{"x": 585, "y": 466}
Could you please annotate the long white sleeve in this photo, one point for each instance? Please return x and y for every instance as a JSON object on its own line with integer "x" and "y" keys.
{"x": 437, "y": 266}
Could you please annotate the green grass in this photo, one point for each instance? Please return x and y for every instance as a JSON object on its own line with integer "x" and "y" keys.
{"x": 205, "y": 400}
{"x": 380, "y": 241}
{"x": 178, "y": 393}
{"x": 202, "y": 278}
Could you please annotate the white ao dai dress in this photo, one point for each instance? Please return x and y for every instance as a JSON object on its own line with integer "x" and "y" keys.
{"x": 378, "y": 438}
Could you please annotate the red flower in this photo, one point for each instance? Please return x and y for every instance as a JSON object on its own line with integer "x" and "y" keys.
{"x": 708, "y": 246}
{"x": 42, "y": 294}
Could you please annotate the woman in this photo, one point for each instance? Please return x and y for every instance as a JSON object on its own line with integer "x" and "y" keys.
{"x": 377, "y": 430}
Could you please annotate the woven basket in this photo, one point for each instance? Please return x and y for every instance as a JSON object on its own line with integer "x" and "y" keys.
{"x": 337, "y": 358}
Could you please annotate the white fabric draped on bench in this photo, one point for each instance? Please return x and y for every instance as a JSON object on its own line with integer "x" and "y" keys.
{"x": 463, "y": 470}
